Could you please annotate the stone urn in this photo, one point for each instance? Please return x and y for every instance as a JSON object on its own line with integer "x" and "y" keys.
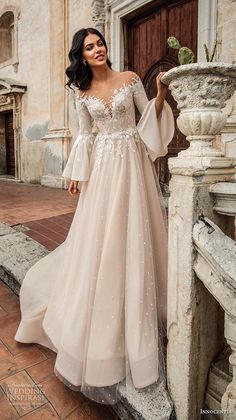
{"x": 201, "y": 90}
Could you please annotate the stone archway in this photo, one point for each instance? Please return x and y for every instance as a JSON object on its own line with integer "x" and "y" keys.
{"x": 10, "y": 109}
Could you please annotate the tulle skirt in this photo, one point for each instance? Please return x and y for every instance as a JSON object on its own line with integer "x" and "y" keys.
{"x": 99, "y": 299}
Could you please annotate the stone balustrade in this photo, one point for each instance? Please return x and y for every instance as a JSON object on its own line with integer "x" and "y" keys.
{"x": 195, "y": 320}
{"x": 215, "y": 266}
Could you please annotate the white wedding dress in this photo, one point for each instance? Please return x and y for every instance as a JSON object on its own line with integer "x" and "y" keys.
{"x": 98, "y": 299}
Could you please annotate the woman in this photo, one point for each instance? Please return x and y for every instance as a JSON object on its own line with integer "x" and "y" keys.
{"x": 99, "y": 298}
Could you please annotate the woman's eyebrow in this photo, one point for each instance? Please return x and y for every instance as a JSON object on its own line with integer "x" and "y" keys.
{"x": 91, "y": 43}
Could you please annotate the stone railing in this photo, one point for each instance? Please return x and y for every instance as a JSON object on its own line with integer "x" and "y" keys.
{"x": 199, "y": 288}
{"x": 215, "y": 266}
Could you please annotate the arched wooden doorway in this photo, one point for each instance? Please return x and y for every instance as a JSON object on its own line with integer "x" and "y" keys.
{"x": 10, "y": 127}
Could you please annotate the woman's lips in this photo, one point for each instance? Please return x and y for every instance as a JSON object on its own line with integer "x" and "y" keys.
{"x": 100, "y": 56}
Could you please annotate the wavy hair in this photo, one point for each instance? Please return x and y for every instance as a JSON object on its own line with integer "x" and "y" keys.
{"x": 78, "y": 74}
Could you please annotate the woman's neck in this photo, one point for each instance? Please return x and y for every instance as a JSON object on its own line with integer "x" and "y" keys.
{"x": 101, "y": 74}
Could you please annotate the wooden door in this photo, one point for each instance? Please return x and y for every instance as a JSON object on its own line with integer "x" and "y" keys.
{"x": 10, "y": 148}
{"x": 148, "y": 54}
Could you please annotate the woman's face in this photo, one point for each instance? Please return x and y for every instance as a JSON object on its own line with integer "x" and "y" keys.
{"x": 94, "y": 51}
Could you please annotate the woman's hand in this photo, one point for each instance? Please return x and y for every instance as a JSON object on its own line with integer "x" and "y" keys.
{"x": 73, "y": 188}
{"x": 161, "y": 88}
{"x": 161, "y": 93}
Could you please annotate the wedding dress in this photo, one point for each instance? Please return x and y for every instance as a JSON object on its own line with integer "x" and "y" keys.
{"x": 98, "y": 300}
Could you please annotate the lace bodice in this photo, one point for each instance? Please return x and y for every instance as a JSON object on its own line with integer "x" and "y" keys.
{"x": 111, "y": 127}
{"x": 117, "y": 115}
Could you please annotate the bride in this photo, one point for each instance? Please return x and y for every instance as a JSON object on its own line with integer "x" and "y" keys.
{"x": 99, "y": 299}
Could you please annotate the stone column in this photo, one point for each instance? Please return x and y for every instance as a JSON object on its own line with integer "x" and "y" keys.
{"x": 58, "y": 137}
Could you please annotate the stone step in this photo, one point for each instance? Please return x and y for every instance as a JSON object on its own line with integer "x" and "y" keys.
{"x": 220, "y": 375}
{"x": 18, "y": 253}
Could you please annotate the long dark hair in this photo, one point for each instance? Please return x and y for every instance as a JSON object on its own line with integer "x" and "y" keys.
{"x": 81, "y": 75}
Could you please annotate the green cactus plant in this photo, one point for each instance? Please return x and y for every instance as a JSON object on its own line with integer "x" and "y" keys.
{"x": 209, "y": 58}
{"x": 185, "y": 55}
{"x": 173, "y": 43}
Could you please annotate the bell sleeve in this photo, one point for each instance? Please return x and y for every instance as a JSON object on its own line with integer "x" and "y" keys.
{"x": 78, "y": 165}
{"x": 155, "y": 132}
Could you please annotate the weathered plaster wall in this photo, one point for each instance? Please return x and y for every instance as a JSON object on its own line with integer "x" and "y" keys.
{"x": 226, "y": 34}
{"x": 226, "y": 38}
{"x": 80, "y": 13}
{"x": 33, "y": 51}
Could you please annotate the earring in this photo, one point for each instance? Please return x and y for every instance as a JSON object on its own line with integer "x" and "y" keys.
{"x": 84, "y": 62}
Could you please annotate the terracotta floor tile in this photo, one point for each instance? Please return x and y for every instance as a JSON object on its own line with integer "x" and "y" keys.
{"x": 54, "y": 226}
{"x": 46, "y": 412}
{"x": 46, "y": 230}
{"x": 4, "y": 289}
{"x": 7, "y": 330}
{"x": 14, "y": 346}
{"x": 7, "y": 335}
{"x": 51, "y": 234}
{"x": 10, "y": 364}
{"x": 10, "y": 302}
{"x": 23, "y": 393}
{"x": 89, "y": 410}
{"x": 7, "y": 411}
{"x": 48, "y": 243}
{"x": 2, "y": 313}
{"x": 48, "y": 353}
{"x": 9, "y": 319}
{"x": 29, "y": 358}
{"x": 77, "y": 414}
{"x": 42, "y": 370}
{"x": 21, "y": 203}
{"x": 62, "y": 398}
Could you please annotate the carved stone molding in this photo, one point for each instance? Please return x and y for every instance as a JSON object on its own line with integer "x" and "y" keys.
{"x": 224, "y": 194}
{"x": 14, "y": 60}
{"x": 99, "y": 14}
{"x": 10, "y": 100}
{"x": 5, "y": 100}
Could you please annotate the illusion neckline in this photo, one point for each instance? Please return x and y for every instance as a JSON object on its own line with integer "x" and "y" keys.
{"x": 108, "y": 104}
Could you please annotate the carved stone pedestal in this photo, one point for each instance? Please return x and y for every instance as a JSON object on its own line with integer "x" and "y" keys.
{"x": 56, "y": 154}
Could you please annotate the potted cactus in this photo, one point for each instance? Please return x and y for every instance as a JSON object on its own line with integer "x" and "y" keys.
{"x": 200, "y": 90}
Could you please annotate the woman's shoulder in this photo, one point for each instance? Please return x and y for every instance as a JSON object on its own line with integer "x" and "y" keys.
{"x": 80, "y": 96}
{"x": 129, "y": 76}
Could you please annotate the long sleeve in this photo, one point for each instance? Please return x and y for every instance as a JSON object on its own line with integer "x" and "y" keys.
{"x": 78, "y": 164}
{"x": 155, "y": 132}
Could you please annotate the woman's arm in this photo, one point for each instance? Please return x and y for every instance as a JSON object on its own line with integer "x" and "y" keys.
{"x": 78, "y": 165}
{"x": 155, "y": 132}
{"x": 161, "y": 94}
